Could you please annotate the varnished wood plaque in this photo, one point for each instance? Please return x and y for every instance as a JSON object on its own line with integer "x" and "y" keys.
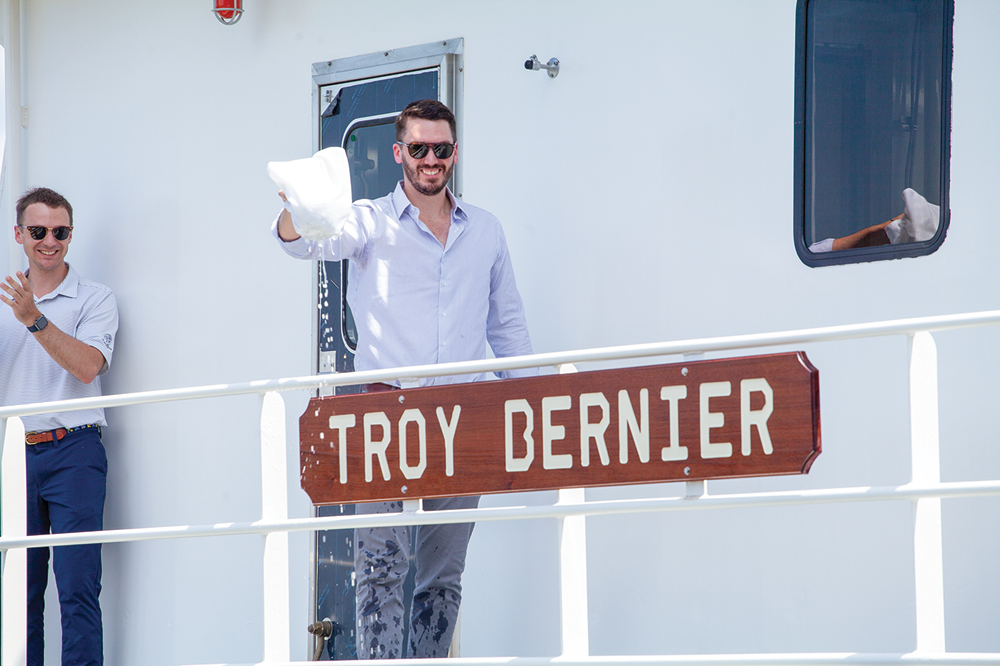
{"x": 741, "y": 417}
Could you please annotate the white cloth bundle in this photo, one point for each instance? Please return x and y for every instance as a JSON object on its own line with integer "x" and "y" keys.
{"x": 919, "y": 222}
{"x": 318, "y": 192}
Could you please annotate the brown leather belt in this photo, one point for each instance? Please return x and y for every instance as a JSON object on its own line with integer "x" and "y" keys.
{"x": 378, "y": 388}
{"x": 41, "y": 436}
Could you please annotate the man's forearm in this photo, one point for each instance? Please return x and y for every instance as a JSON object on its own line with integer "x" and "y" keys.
{"x": 874, "y": 235}
{"x": 75, "y": 357}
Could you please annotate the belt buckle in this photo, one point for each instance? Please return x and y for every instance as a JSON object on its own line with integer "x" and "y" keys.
{"x": 39, "y": 435}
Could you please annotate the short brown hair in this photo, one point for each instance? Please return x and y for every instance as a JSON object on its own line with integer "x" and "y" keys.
{"x": 43, "y": 195}
{"x": 425, "y": 109}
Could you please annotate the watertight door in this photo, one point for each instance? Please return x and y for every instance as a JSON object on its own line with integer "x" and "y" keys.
{"x": 359, "y": 116}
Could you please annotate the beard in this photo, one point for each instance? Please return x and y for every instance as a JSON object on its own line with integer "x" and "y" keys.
{"x": 410, "y": 172}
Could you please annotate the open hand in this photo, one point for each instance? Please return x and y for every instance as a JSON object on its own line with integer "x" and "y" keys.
{"x": 21, "y": 299}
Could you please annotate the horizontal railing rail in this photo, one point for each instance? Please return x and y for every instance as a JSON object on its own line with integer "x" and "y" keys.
{"x": 909, "y": 492}
{"x": 616, "y": 353}
{"x": 777, "y": 659}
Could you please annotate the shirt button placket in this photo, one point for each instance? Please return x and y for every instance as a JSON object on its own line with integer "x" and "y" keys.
{"x": 442, "y": 330}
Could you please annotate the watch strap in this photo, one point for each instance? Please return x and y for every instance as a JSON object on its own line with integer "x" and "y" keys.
{"x": 39, "y": 324}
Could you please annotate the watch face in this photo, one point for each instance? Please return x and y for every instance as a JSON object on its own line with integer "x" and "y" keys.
{"x": 39, "y": 324}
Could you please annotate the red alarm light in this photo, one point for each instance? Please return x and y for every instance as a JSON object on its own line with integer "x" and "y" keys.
{"x": 228, "y": 11}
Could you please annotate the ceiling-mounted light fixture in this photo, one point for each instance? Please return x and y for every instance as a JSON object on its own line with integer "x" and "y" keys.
{"x": 552, "y": 66}
{"x": 228, "y": 11}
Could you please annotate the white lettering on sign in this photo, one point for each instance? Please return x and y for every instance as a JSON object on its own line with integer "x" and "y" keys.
{"x": 552, "y": 432}
{"x": 627, "y": 423}
{"x": 593, "y": 431}
{"x": 448, "y": 430}
{"x": 376, "y": 448}
{"x": 376, "y": 444}
{"x": 709, "y": 420}
{"x": 755, "y": 417}
{"x": 412, "y": 416}
{"x": 340, "y": 423}
{"x": 673, "y": 395}
{"x": 510, "y": 408}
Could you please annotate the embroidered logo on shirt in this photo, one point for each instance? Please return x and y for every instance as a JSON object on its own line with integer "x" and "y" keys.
{"x": 107, "y": 341}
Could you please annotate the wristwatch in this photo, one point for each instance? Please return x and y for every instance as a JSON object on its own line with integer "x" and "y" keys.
{"x": 39, "y": 324}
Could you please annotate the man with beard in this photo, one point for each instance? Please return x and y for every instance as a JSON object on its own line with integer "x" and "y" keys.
{"x": 430, "y": 282}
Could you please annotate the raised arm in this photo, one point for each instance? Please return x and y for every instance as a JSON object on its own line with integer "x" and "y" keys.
{"x": 78, "y": 358}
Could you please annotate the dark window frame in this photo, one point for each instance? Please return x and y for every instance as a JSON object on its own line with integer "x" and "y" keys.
{"x": 883, "y": 252}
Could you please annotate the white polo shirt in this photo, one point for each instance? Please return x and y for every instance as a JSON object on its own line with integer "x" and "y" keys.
{"x": 83, "y": 309}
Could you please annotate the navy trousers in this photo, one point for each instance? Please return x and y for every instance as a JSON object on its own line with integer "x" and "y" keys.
{"x": 66, "y": 482}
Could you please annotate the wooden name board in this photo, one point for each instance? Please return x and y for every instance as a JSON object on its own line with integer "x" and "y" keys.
{"x": 751, "y": 416}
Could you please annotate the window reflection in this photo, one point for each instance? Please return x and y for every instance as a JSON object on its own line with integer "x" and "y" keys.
{"x": 917, "y": 223}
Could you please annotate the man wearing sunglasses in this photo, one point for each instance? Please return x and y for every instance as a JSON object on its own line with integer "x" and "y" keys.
{"x": 430, "y": 282}
{"x": 58, "y": 332}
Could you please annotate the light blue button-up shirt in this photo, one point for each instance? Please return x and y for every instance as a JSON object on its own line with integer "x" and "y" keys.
{"x": 416, "y": 302}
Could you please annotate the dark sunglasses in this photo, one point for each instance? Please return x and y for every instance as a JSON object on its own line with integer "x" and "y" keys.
{"x": 38, "y": 233}
{"x": 417, "y": 151}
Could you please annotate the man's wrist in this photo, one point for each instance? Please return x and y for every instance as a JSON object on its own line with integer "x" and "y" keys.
{"x": 286, "y": 228}
{"x": 39, "y": 324}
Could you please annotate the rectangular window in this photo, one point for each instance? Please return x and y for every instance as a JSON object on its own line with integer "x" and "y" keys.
{"x": 872, "y": 128}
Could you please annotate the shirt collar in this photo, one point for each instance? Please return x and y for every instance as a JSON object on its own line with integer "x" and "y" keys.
{"x": 400, "y": 203}
{"x": 68, "y": 287}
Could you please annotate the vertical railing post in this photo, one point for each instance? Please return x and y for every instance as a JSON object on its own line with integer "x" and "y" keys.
{"x": 573, "y": 570}
{"x": 573, "y": 577}
{"x": 13, "y": 607}
{"x": 926, "y": 463}
{"x": 274, "y": 495}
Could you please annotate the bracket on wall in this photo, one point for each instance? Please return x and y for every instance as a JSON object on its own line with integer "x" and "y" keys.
{"x": 552, "y": 66}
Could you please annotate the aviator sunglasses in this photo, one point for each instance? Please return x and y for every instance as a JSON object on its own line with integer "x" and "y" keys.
{"x": 38, "y": 233}
{"x": 417, "y": 151}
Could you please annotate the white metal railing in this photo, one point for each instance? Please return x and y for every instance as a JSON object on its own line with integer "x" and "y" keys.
{"x": 925, "y": 490}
